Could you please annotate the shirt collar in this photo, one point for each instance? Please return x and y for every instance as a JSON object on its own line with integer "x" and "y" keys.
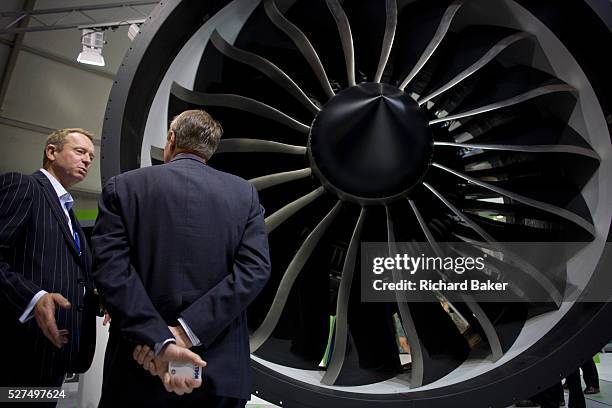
{"x": 64, "y": 196}
{"x": 188, "y": 156}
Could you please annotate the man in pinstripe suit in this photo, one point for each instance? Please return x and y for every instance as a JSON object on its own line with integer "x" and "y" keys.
{"x": 47, "y": 306}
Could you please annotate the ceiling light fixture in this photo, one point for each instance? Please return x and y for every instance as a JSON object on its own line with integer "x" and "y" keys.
{"x": 93, "y": 41}
{"x": 133, "y": 31}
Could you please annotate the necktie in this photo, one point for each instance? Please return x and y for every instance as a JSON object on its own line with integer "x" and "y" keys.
{"x": 75, "y": 235}
{"x": 77, "y": 242}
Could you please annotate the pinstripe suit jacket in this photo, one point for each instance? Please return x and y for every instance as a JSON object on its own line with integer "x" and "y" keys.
{"x": 37, "y": 252}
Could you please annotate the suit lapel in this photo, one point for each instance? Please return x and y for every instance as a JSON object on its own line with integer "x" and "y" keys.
{"x": 54, "y": 203}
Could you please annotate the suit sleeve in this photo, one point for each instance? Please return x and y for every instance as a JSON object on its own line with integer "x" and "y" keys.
{"x": 118, "y": 283}
{"x": 217, "y": 308}
{"x": 16, "y": 196}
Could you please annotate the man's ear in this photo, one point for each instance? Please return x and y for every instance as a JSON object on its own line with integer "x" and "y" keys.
{"x": 171, "y": 137}
{"x": 50, "y": 149}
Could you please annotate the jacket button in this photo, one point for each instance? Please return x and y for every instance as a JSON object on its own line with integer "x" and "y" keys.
{"x": 80, "y": 308}
{"x": 81, "y": 281}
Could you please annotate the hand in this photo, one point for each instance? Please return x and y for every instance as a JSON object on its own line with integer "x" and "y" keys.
{"x": 159, "y": 366}
{"x": 144, "y": 356}
{"x": 107, "y": 318}
{"x": 44, "y": 312}
{"x": 182, "y": 339}
{"x": 103, "y": 310}
{"x": 175, "y": 383}
{"x": 403, "y": 341}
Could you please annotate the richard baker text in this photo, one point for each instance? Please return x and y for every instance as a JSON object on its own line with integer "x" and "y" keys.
{"x": 439, "y": 285}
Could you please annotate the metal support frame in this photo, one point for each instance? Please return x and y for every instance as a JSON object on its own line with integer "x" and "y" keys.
{"x": 14, "y": 53}
{"x": 16, "y": 26}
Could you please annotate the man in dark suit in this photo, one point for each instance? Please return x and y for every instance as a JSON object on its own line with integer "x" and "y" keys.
{"x": 47, "y": 306}
{"x": 180, "y": 250}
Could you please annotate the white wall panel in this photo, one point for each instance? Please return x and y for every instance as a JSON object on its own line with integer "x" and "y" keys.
{"x": 54, "y": 95}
